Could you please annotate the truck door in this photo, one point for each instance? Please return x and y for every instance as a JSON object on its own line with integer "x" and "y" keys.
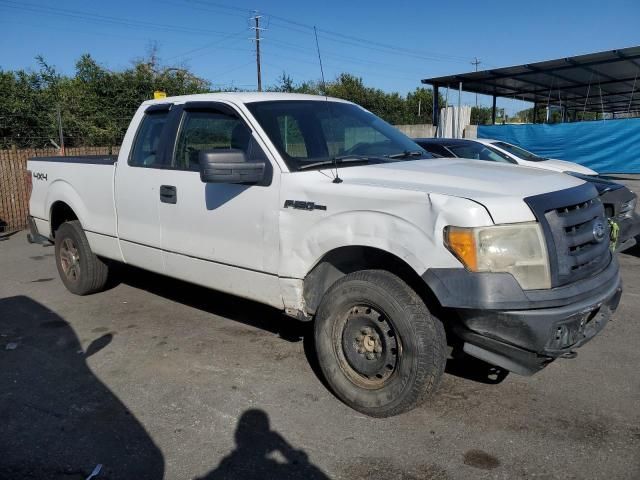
{"x": 223, "y": 236}
{"x": 139, "y": 177}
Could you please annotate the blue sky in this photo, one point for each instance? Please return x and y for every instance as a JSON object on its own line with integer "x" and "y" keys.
{"x": 391, "y": 45}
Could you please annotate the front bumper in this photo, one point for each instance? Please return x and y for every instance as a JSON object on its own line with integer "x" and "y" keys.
{"x": 530, "y": 329}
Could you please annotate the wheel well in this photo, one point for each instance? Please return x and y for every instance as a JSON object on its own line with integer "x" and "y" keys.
{"x": 344, "y": 260}
{"x": 60, "y": 213}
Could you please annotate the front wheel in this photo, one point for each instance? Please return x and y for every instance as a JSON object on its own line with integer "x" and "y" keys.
{"x": 379, "y": 347}
{"x": 81, "y": 271}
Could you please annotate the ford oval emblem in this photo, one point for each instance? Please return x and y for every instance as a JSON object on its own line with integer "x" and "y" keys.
{"x": 599, "y": 231}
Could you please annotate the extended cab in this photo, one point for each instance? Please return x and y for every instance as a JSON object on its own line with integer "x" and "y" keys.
{"x": 317, "y": 207}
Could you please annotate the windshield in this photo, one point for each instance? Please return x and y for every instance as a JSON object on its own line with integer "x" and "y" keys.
{"x": 479, "y": 152}
{"x": 314, "y": 134}
{"x": 519, "y": 152}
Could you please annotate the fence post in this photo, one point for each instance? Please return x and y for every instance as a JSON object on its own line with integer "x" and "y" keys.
{"x": 60, "y": 131}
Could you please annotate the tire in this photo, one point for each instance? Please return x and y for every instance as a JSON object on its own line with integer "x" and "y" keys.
{"x": 79, "y": 268}
{"x": 378, "y": 346}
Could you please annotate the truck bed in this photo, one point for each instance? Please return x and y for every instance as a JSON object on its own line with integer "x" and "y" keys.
{"x": 85, "y": 183}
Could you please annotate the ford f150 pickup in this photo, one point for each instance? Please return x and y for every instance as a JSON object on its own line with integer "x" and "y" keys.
{"x": 317, "y": 207}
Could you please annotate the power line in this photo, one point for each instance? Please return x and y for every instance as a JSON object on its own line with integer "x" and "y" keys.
{"x": 208, "y": 45}
{"x": 334, "y": 66}
{"x": 105, "y": 19}
{"x": 365, "y": 42}
{"x": 309, "y": 51}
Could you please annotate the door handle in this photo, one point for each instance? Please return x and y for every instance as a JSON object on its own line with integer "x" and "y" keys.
{"x": 168, "y": 194}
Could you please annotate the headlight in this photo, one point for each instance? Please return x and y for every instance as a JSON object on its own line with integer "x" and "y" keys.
{"x": 517, "y": 248}
{"x": 628, "y": 207}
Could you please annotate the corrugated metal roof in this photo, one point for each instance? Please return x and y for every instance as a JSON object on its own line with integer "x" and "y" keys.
{"x": 604, "y": 81}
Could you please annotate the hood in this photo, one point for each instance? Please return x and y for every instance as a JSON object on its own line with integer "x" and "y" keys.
{"x": 562, "y": 166}
{"x": 501, "y": 188}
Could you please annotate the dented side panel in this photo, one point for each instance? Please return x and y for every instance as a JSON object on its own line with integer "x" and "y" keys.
{"x": 406, "y": 223}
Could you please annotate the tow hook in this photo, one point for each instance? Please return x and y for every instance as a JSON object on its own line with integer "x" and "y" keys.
{"x": 571, "y": 354}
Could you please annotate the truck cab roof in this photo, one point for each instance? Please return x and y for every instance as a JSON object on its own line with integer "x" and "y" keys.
{"x": 242, "y": 97}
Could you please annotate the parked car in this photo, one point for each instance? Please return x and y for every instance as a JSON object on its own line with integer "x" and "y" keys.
{"x": 529, "y": 159}
{"x": 317, "y": 207}
{"x": 620, "y": 203}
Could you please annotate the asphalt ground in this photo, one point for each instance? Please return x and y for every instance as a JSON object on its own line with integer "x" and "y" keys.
{"x": 157, "y": 378}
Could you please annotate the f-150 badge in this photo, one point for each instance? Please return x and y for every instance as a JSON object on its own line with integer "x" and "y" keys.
{"x": 302, "y": 205}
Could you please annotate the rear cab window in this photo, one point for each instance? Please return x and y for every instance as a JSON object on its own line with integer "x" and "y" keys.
{"x": 145, "y": 151}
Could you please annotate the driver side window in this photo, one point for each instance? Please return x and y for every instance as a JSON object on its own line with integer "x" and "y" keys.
{"x": 208, "y": 131}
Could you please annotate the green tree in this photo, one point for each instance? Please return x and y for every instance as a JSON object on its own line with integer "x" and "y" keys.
{"x": 96, "y": 104}
{"x": 284, "y": 83}
{"x": 481, "y": 115}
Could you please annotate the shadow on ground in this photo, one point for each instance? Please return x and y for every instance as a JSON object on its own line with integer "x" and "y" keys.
{"x": 470, "y": 368}
{"x": 272, "y": 320}
{"x": 635, "y": 250}
{"x": 262, "y": 454}
{"x": 58, "y": 420}
{"x": 228, "y": 306}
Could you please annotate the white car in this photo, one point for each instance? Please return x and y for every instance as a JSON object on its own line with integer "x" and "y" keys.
{"x": 317, "y": 207}
{"x": 529, "y": 159}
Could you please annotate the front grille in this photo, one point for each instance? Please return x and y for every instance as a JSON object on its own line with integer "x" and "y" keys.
{"x": 570, "y": 219}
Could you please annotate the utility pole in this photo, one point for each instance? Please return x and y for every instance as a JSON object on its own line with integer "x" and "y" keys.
{"x": 476, "y": 62}
{"x": 256, "y": 18}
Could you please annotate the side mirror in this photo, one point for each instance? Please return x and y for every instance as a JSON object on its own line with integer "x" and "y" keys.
{"x": 229, "y": 166}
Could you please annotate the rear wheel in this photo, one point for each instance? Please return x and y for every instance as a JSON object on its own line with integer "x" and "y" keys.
{"x": 379, "y": 347}
{"x": 81, "y": 271}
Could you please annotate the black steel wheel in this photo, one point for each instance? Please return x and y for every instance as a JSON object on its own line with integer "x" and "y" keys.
{"x": 369, "y": 353}
{"x": 378, "y": 346}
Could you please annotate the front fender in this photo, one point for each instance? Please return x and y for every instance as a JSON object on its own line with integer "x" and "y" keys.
{"x": 415, "y": 237}
{"x": 384, "y": 231}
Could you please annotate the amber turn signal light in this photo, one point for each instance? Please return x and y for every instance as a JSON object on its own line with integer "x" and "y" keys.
{"x": 462, "y": 243}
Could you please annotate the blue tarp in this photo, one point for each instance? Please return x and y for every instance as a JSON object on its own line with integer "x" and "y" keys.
{"x": 611, "y": 146}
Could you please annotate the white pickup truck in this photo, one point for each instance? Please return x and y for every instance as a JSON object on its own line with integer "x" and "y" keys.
{"x": 317, "y": 207}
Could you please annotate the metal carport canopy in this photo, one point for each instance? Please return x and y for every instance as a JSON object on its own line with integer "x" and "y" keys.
{"x": 597, "y": 82}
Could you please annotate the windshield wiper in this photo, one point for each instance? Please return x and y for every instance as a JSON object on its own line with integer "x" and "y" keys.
{"x": 406, "y": 154}
{"x": 337, "y": 161}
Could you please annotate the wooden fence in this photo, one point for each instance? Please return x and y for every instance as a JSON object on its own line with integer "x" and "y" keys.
{"x": 14, "y": 194}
